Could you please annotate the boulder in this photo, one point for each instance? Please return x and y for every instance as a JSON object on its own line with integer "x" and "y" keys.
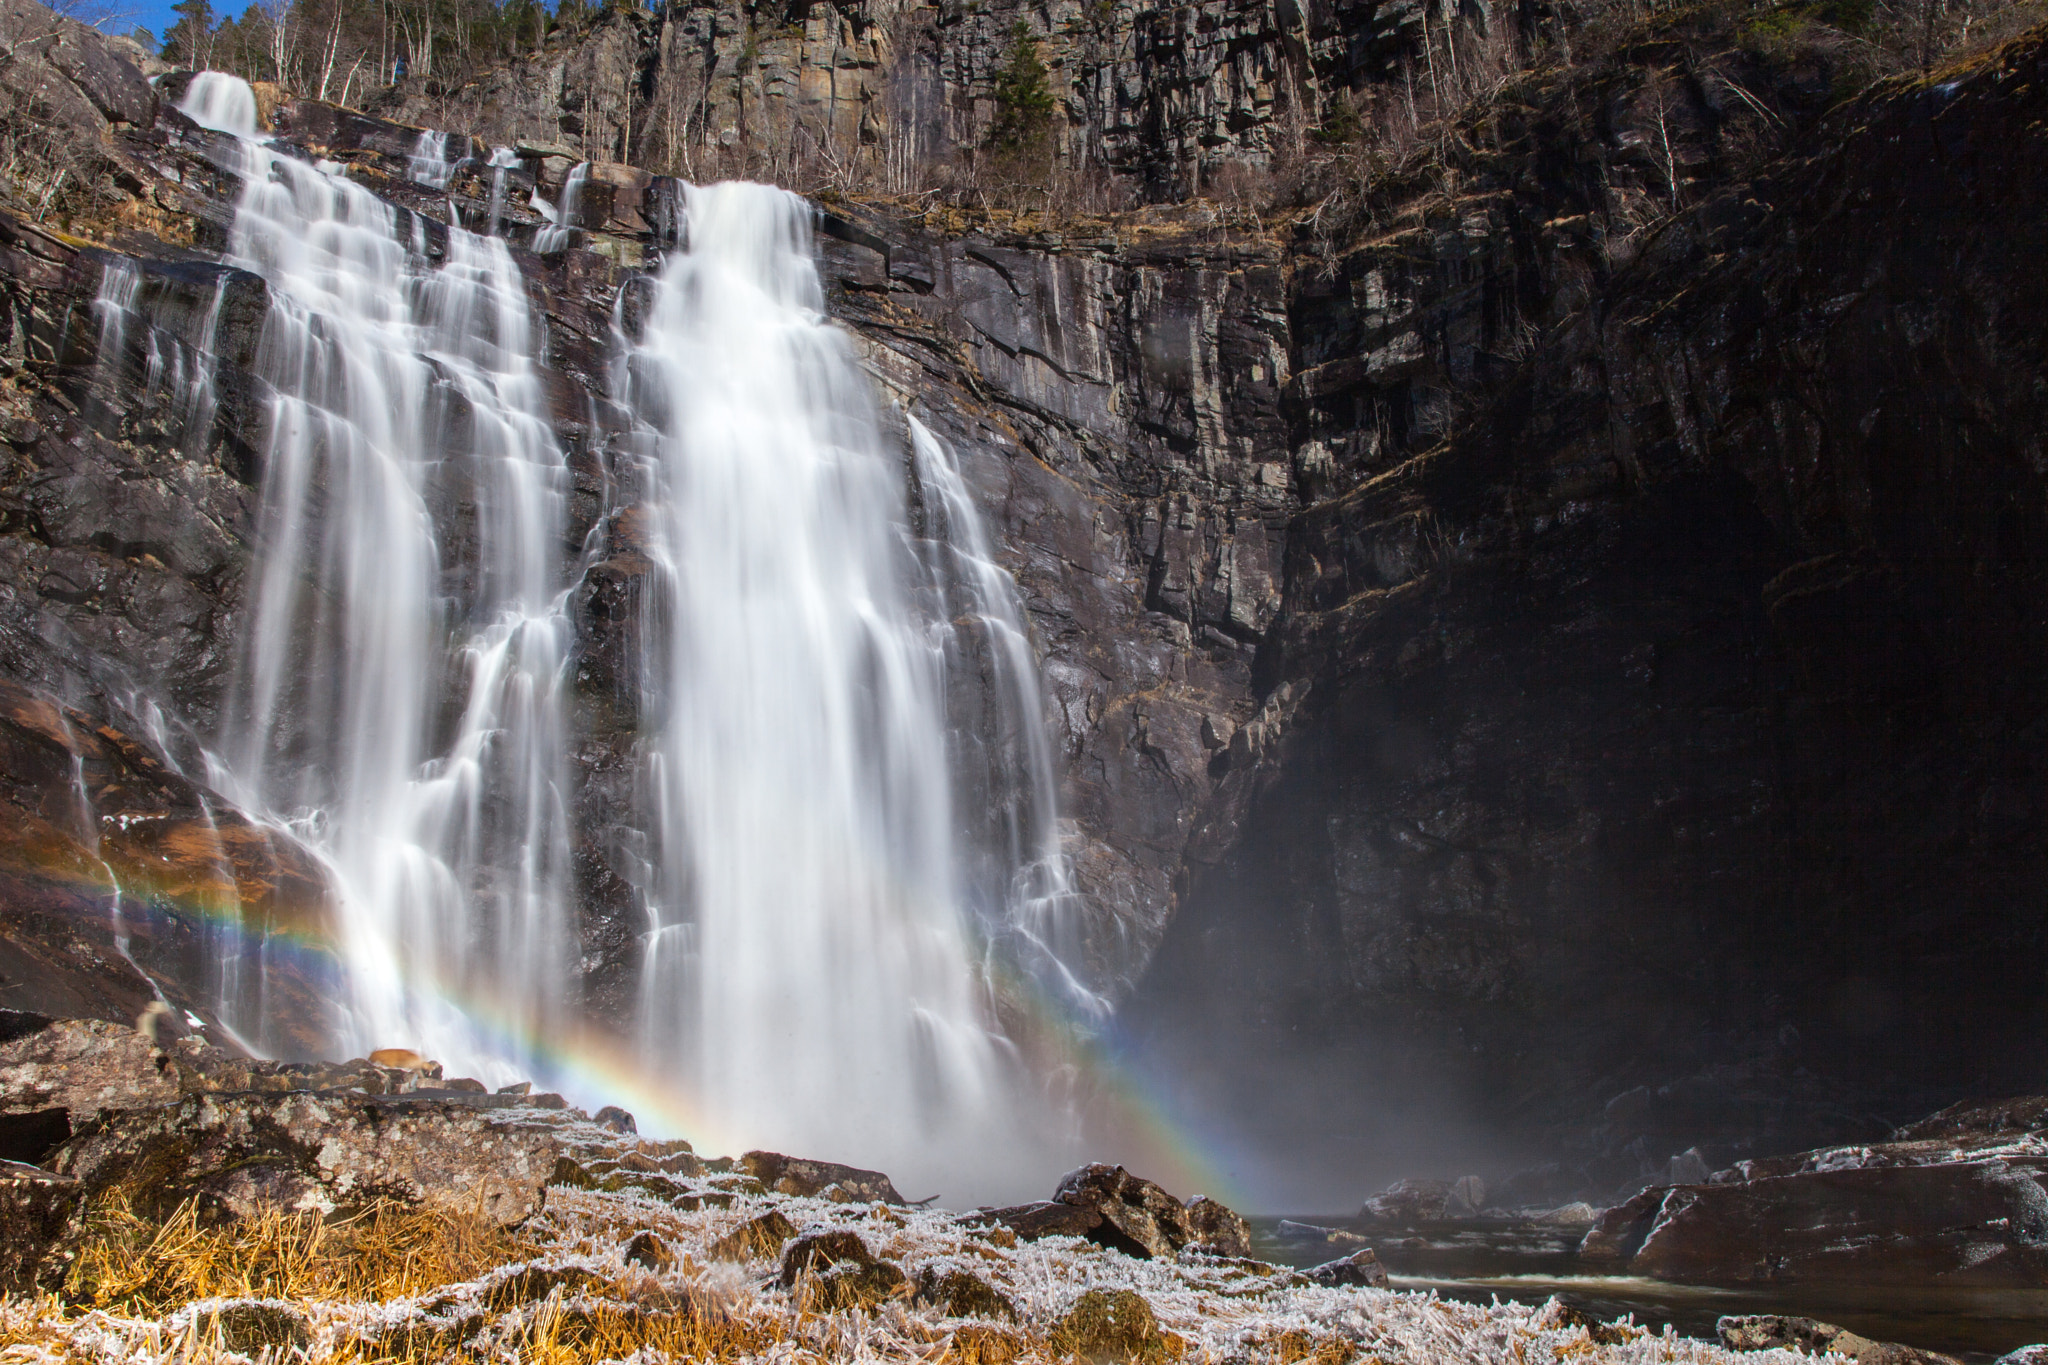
{"x": 757, "y": 1237}
{"x": 1113, "y": 1325}
{"x": 1315, "y": 1232}
{"x": 1957, "y": 1200}
{"x": 1110, "y": 1206}
{"x": 1359, "y": 1268}
{"x": 1218, "y": 1229}
{"x": 818, "y": 1179}
{"x": 963, "y": 1294}
{"x": 241, "y": 1155}
{"x": 1041, "y": 1218}
{"x": 835, "y": 1270}
{"x": 1763, "y": 1332}
{"x": 649, "y": 1250}
{"x": 1467, "y": 1197}
{"x": 1137, "y": 1216}
{"x": 78, "y": 1067}
{"x": 1409, "y": 1201}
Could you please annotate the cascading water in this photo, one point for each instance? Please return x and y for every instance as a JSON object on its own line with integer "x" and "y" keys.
{"x": 503, "y": 159}
{"x": 171, "y": 365}
{"x": 430, "y": 163}
{"x": 809, "y": 963}
{"x": 1016, "y": 876}
{"x": 559, "y": 234}
{"x": 852, "y": 860}
{"x": 399, "y": 704}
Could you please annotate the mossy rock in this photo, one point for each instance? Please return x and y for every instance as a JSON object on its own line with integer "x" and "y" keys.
{"x": 834, "y": 1270}
{"x": 963, "y": 1294}
{"x": 757, "y": 1237}
{"x": 650, "y": 1250}
{"x": 253, "y": 1326}
{"x": 1114, "y": 1325}
{"x": 850, "y": 1284}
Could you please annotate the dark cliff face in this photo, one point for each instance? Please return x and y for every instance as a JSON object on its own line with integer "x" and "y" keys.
{"x": 1670, "y": 734}
{"x": 1545, "y": 655}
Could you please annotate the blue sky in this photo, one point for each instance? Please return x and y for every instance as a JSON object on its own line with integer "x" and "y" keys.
{"x": 124, "y": 16}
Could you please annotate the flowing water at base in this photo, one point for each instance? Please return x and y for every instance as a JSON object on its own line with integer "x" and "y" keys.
{"x": 1477, "y": 1261}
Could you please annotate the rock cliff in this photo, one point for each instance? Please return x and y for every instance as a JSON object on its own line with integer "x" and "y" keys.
{"x": 1548, "y": 637}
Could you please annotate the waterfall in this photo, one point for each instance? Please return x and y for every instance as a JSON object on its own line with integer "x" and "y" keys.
{"x": 399, "y": 702}
{"x": 559, "y": 234}
{"x": 812, "y": 967}
{"x": 430, "y": 164}
{"x": 1017, "y": 880}
{"x": 502, "y": 160}
{"x": 850, "y": 866}
{"x": 224, "y": 103}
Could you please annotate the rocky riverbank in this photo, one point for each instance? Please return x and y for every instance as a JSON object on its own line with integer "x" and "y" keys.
{"x": 186, "y": 1204}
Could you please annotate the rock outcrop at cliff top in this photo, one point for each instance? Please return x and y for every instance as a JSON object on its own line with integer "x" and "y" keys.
{"x": 1959, "y": 1199}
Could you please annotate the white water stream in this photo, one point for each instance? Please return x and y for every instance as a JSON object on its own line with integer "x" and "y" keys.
{"x": 812, "y": 957}
{"x": 846, "y": 786}
{"x": 400, "y": 698}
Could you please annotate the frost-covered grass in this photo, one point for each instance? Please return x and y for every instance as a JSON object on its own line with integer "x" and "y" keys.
{"x": 421, "y": 1284}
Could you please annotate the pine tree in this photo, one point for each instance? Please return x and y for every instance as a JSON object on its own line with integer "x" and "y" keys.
{"x": 1024, "y": 100}
{"x": 189, "y": 42}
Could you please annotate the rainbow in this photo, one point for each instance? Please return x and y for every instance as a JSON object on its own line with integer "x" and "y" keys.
{"x": 1124, "y": 1116}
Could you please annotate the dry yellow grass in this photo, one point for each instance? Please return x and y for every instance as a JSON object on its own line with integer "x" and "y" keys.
{"x": 386, "y": 1252}
{"x": 402, "y": 1284}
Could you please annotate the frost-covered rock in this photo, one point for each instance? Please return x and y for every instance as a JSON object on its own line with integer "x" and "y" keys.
{"x": 1762, "y": 1332}
{"x": 78, "y": 1066}
{"x": 823, "y": 1179}
{"x": 1361, "y": 1267}
{"x": 1110, "y": 1206}
{"x": 1409, "y": 1201}
{"x": 1219, "y": 1229}
{"x": 241, "y": 1155}
{"x": 1956, "y": 1199}
{"x": 836, "y": 1270}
